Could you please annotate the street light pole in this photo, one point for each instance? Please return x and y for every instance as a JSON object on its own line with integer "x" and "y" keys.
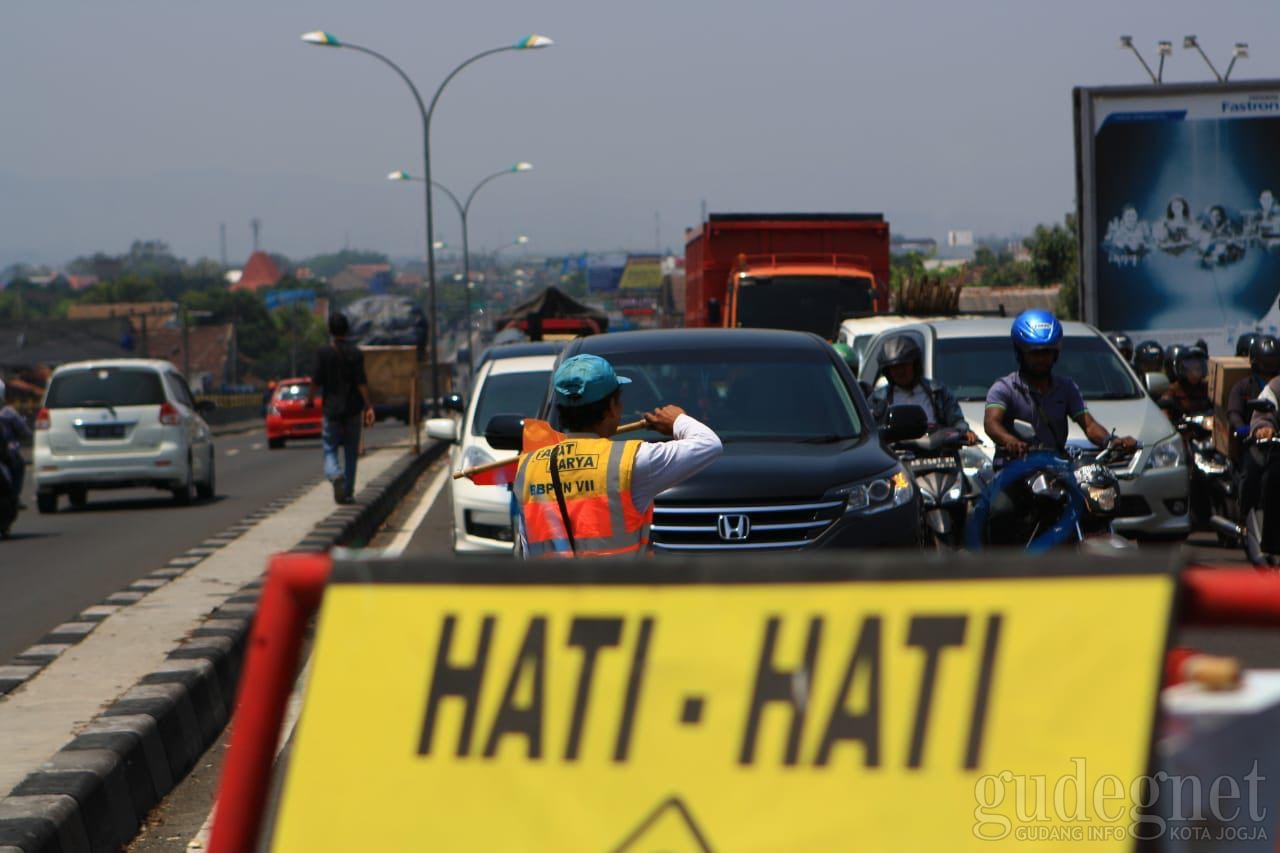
{"x": 532, "y": 42}
{"x": 464, "y": 210}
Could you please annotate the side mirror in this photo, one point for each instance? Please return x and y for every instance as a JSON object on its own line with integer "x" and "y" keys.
{"x": 1157, "y": 384}
{"x": 442, "y": 429}
{"x": 1024, "y": 430}
{"x": 204, "y": 407}
{"x": 455, "y": 403}
{"x": 904, "y": 423}
{"x": 505, "y": 432}
{"x": 1261, "y": 405}
{"x": 714, "y": 314}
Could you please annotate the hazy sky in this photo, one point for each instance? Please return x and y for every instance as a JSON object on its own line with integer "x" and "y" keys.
{"x": 160, "y": 120}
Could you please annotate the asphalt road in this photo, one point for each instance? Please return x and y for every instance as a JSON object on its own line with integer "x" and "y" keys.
{"x": 54, "y": 566}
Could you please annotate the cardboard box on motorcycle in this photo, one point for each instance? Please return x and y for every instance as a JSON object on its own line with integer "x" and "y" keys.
{"x": 1224, "y": 373}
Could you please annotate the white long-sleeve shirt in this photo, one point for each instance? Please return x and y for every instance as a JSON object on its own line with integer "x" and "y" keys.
{"x": 659, "y": 465}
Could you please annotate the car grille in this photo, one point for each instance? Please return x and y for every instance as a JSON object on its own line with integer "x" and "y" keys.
{"x": 741, "y": 527}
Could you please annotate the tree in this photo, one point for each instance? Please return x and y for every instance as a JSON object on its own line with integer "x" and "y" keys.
{"x": 327, "y": 266}
{"x": 1053, "y": 252}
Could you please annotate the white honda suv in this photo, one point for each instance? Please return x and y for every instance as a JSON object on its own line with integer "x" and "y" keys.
{"x": 122, "y": 423}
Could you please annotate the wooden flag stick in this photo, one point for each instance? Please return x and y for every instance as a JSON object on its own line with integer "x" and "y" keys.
{"x": 489, "y": 466}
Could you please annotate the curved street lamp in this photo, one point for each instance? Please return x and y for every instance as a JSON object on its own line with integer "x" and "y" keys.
{"x": 532, "y": 42}
{"x": 464, "y": 208}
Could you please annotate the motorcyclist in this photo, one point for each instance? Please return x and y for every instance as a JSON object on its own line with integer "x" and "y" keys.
{"x": 847, "y": 355}
{"x": 902, "y": 364}
{"x": 13, "y": 432}
{"x": 1122, "y": 342}
{"x": 1148, "y": 358}
{"x": 1265, "y": 425}
{"x": 1034, "y": 394}
{"x": 1264, "y": 366}
{"x": 1189, "y": 393}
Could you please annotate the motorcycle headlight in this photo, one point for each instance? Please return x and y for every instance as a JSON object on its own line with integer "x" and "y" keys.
{"x": 956, "y": 491}
{"x": 1102, "y": 499}
{"x": 476, "y": 455}
{"x": 879, "y": 494}
{"x": 1165, "y": 454}
{"x": 974, "y": 461}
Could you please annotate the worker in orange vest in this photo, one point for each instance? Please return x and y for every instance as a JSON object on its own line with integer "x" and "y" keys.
{"x": 590, "y": 496}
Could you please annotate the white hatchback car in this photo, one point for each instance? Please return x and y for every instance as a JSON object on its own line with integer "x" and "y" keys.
{"x": 510, "y": 381}
{"x": 117, "y": 424}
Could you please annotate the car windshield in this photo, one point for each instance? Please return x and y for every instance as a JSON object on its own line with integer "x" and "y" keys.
{"x": 298, "y": 391}
{"x": 969, "y": 366}
{"x": 744, "y": 395}
{"x": 805, "y": 303}
{"x": 106, "y": 387}
{"x": 510, "y": 394}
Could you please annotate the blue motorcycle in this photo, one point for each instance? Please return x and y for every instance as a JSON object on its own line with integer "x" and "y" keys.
{"x": 1047, "y": 500}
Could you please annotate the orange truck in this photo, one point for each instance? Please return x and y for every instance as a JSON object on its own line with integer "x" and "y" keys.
{"x": 804, "y": 271}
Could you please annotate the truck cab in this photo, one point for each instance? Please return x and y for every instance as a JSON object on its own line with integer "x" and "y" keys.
{"x": 797, "y": 271}
{"x": 802, "y": 292}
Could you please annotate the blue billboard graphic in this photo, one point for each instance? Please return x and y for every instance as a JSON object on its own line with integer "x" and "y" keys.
{"x": 1185, "y": 225}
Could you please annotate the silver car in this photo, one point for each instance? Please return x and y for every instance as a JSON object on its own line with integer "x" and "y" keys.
{"x": 122, "y": 423}
{"x": 969, "y": 355}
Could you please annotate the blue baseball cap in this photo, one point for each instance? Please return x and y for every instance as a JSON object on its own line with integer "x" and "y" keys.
{"x": 585, "y": 379}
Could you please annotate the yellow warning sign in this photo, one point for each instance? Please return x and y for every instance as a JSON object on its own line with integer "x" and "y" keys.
{"x": 581, "y": 707}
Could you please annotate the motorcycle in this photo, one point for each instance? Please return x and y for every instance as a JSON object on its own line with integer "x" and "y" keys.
{"x": 1213, "y": 481}
{"x": 939, "y": 462}
{"x": 1069, "y": 499}
{"x": 1248, "y": 532}
{"x": 8, "y": 493}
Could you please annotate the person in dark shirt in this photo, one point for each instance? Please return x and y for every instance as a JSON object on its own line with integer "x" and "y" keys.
{"x": 339, "y": 376}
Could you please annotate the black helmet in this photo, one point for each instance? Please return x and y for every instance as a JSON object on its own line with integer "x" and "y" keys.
{"x": 1171, "y": 359}
{"x": 1245, "y": 342}
{"x": 1190, "y": 361}
{"x": 1264, "y": 356}
{"x": 1122, "y": 342}
{"x": 901, "y": 349}
{"x": 1148, "y": 357}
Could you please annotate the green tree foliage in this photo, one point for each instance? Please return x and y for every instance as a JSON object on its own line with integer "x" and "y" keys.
{"x": 127, "y": 288}
{"x": 1053, "y": 252}
{"x": 327, "y": 266}
{"x": 22, "y": 300}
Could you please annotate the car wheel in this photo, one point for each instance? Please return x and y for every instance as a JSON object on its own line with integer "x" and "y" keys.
{"x": 46, "y": 502}
{"x": 275, "y": 443}
{"x": 208, "y": 488}
{"x": 182, "y": 494}
{"x": 79, "y": 496}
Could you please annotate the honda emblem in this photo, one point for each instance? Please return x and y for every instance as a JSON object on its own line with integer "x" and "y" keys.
{"x": 733, "y": 528}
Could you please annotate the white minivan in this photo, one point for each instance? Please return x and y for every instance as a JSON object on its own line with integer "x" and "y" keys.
{"x": 121, "y": 423}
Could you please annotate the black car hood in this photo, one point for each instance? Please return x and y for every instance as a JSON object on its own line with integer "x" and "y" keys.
{"x": 766, "y": 470}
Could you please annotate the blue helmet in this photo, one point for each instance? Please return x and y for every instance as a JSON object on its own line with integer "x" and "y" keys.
{"x": 1036, "y": 329}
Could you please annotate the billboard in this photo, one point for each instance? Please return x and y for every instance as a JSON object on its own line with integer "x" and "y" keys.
{"x": 1178, "y": 192}
{"x": 642, "y": 272}
{"x": 604, "y": 271}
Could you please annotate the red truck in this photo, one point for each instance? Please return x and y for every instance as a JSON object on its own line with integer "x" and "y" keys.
{"x": 805, "y": 271}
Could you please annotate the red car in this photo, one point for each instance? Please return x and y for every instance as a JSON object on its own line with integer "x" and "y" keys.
{"x": 289, "y": 416}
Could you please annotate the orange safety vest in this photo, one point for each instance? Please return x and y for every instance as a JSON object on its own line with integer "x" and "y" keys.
{"x": 596, "y": 477}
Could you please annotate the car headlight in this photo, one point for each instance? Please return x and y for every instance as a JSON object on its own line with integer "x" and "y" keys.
{"x": 1165, "y": 454}
{"x": 878, "y": 494}
{"x": 475, "y": 455}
